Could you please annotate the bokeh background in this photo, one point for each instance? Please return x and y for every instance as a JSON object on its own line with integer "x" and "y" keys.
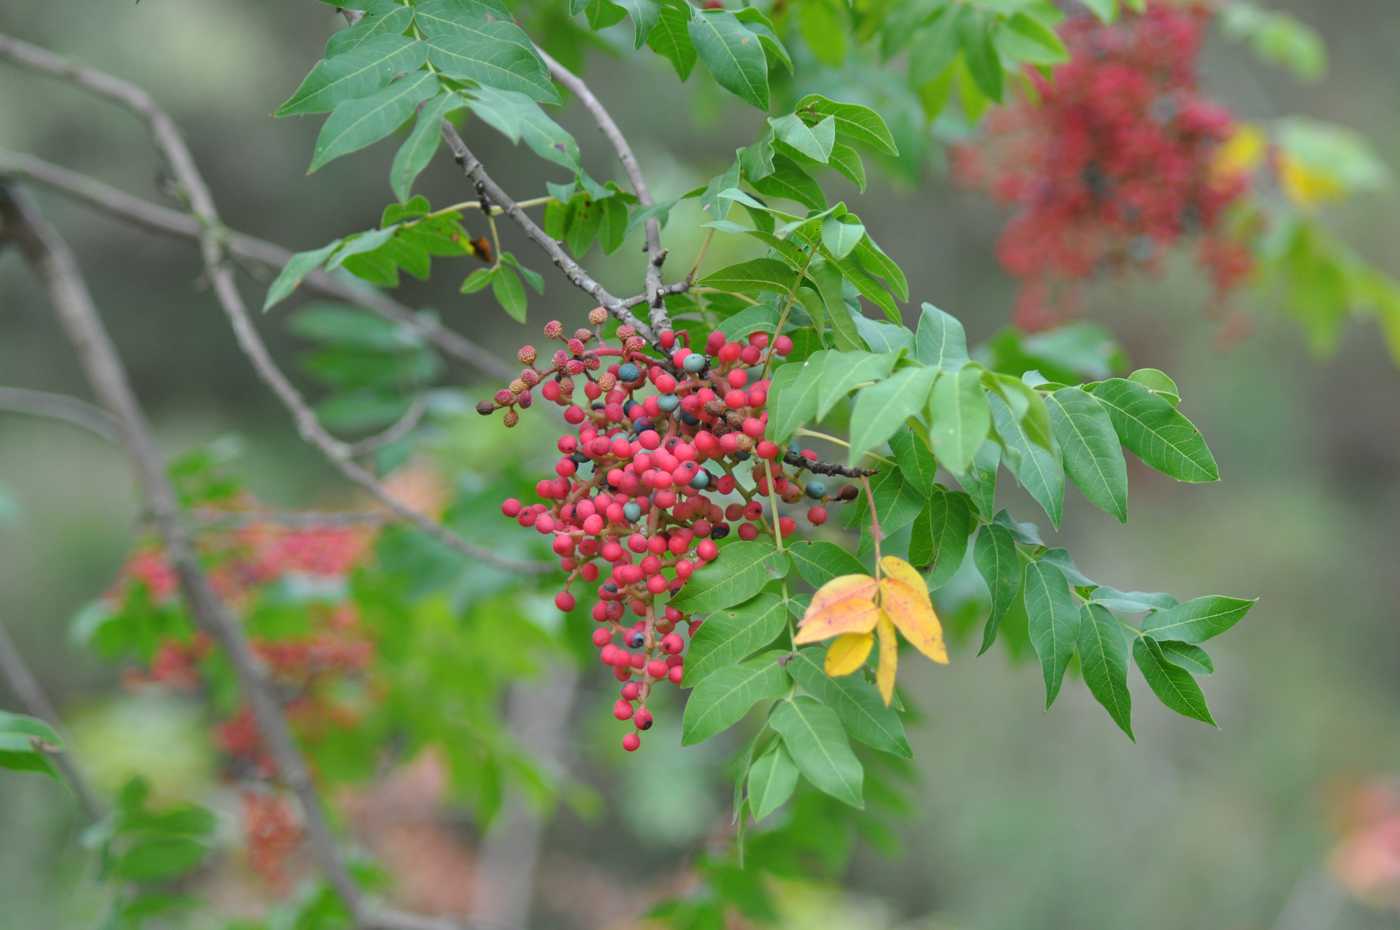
{"x": 1023, "y": 819}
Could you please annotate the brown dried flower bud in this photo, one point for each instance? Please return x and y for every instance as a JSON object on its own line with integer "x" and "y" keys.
{"x": 597, "y": 316}
{"x": 511, "y": 418}
{"x": 526, "y": 355}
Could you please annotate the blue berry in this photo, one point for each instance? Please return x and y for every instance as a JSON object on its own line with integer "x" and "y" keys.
{"x": 627, "y": 372}
{"x": 694, "y": 362}
{"x": 668, "y": 402}
{"x": 701, "y": 480}
{"x": 816, "y": 490}
{"x": 632, "y": 511}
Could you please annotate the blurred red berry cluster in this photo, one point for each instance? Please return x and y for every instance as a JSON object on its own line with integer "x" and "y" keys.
{"x": 1113, "y": 164}
{"x": 242, "y": 562}
{"x": 666, "y": 455}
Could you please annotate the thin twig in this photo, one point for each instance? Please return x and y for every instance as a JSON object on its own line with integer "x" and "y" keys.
{"x": 398, "y": 430}
{"x": 656, "y": 255}
{"x": 34, "y": 700}
{"x": 472, "y": 168}
{"x": 55, "y": 266}
{"x": 53, "y": 406}
{"x": 166, "y": 221}
{"x": 214, "y": 521}
{"x": 212, "y": 246}
{"x": 677, "y": 287}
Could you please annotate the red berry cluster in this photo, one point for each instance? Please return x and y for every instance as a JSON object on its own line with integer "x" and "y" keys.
{"x": 1113, "y": 164}
{"x": 241, "y": 562}
{"x": 666, "y": 456}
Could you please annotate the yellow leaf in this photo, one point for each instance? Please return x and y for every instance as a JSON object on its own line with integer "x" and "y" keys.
{"x": 889, "y": 658}
{"x": 1241, "y": 153}
{"x": 848, "y": 653}
{"x": 843, "y": 605}
{"x": 1306, "y": 185}
{"x": 904, "y": 596}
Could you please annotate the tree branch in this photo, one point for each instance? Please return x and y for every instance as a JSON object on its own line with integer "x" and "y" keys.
{"x": 165, "y": 221}
{"x": 53, "y": 406}
{"x": 212, "y": 246}
{"x": 55, "y": 266}
{"x": 581, "y": 279}
{"x": 656, "y": 255}
{"x": 32, "y": 697}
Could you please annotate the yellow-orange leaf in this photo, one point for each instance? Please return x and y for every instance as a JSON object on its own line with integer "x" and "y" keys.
{"x": 845, "y": 604}
{"x": 889, "y": 658}
{"x": 848, "y": 653}
{"x": 904, "y": 596}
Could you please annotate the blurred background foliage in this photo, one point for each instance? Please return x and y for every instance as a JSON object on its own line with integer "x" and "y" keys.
{"x": 1019, "y": 818}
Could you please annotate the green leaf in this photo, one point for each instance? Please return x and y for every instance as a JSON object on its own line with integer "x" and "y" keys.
{"x": 1156, "y": 432}
{"x": 1053, "y": 623}
{"x": 733, "y": 54}
{"x": 858, "y": 705}
{"x": 1090, "y": 448}
{"x": 1135, "y": 602}
{"x": 761, "y": 317}
{"x": 841, "y": 237}
{"x": 959, "y": 418}
{"x": 385, "y": 19}
{"x": 753, "y": 277}
{"x": 493, "y": 53}
{"x": 815, "y": 739}
{"x": 994, "y": 554}
{"x": 914, "y": 457}
{"x": 792, "y": 397}
{"x": 1197, "y": 620}
{"x": 1028, "y": 40}
{"x": 855, "y": 124}
{"x": 422, "y": 143}
{"x": 358, "y": 123}
{"x": 813, "y": 141}
{"x": 788, "y": 181}
{"x": 771, "y": 782}
{"x": 740, "y": 572}
{"x": 977, "y": 37}
{"x": 729, "y": 636}
{"x": 1189, "y": 656}
{"x": 1159, "y": 383}
{"x": 980, "y": 482}
{"x": 517, "y": 117}
{"x": 28, "y": 728}
{"x": 670, "y": 37}
{"x": 847, "y": 161}
{"x": 645, "y": 15}
{"x": 1172, "y": 684}
{"x": 1037, "y": 469}
{"x": 1103, "y": 657}
{"x": 297, "y": 268}
{"x": 158, "y": 858}
{"x": 938, "y": 541}
{"x": 883, "y": 408}
{"x": 509, "y": 292}
{"x": 725, "y": 697}
{"x": 881, "y": 336}
{"x": 479, "y": 279}
{"x": 844, "y": 370}
{"x": 354, "y": 74}
{"x": 824, "y": 26}
{"x": 940, "y": 341}
{"x": 818, "y": 562}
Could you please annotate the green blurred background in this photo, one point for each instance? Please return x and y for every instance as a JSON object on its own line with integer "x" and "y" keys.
{"x": 1024, "y": 819}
